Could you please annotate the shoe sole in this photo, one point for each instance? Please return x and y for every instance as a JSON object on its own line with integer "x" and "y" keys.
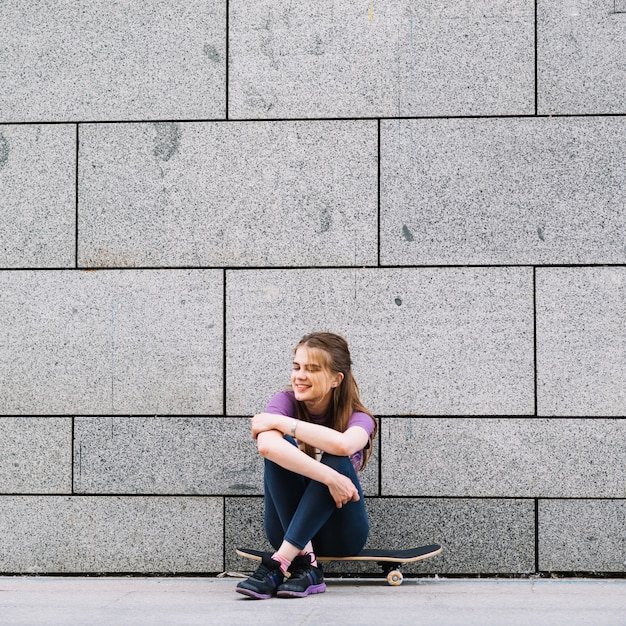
{"x": 255, "y": 595}
{"x": 285, "y": 593}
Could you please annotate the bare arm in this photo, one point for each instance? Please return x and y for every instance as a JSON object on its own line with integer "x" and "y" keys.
{"x": 274, "y": 447}
{"x": 321, "y": 437}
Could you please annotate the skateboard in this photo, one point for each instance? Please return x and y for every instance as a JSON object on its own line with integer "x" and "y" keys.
{"x": 390, "y": 560}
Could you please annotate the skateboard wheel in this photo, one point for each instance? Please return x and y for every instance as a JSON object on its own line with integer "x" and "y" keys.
{"x": 394, "y": 577}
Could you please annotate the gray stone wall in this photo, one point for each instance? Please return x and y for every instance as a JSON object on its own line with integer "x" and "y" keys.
{"x": 187, "y": 187}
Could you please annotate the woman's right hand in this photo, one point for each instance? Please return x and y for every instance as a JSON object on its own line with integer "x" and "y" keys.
{"x": 342, "y": 490}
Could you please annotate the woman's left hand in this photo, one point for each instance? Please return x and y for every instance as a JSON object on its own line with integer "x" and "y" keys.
{"x": 262, "y": 422}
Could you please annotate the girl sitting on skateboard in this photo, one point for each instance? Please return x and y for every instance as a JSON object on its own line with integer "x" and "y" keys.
{"x": 312, "y": 503}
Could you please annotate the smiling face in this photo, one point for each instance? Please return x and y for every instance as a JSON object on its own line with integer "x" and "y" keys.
{"x": 312, "y": 380}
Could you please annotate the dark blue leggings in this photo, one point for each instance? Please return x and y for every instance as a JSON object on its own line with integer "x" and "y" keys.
{"x": 298, "y": 510}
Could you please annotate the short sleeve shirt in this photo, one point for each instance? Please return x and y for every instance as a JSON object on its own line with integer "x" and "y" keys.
{"x": 285, "y": 403}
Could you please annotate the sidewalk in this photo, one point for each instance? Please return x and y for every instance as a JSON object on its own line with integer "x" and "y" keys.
{"x": 54, "y": 601}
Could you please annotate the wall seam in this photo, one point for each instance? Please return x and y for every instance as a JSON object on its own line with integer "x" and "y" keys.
{"x": 380, "y": 459}
{"x": 535, "y": 339}
{"x": 280, "y": 268}
{"x": 378, "y": 193}
{"x": 258, "y": 495}
{"x": 224, "y": 533}
{"x": 224, "y": 407}
{"x": 227, "y": 53}
{"x": 536, "y": 63}
{"x": 72, "y": 462}
{"x": 222, "y": 120}
{"x": 76, "y": 197}
{"x": 537, "y": 535}
{"x": 380, "y": 415}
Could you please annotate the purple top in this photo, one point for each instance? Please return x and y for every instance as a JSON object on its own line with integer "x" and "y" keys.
{"x": 284, "y": 403}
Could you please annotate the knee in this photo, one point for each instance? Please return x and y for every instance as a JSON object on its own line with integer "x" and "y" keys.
{"x": 341, "y": 464}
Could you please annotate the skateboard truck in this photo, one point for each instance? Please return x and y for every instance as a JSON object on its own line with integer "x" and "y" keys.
{"x": 392, "y": 572}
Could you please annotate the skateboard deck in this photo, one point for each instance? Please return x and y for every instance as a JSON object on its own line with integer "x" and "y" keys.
{"x": 390, "y": 560}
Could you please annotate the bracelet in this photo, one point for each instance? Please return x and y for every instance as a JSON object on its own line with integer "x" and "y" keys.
{"x": 294, "y": 425}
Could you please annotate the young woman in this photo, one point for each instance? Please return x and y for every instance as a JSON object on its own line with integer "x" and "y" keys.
{"x": 313, "y": 504}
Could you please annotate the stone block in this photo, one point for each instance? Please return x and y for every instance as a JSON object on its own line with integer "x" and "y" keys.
{"x": 478, "y": 535}
{"x": 503, "y": 191}
{"x": 37, "y": 191}
{"x": 489, "y": 457}
{"x": 385, "y": 59}
{"x": 243, "y": 528}
{"x": 581, "y": 48}
{"x": 582, "y": 535}
{"x": 237, "y": 194}
{"x": 424, "y": 341}
{"x": 581, "y": 341}
{"x": 108, "y": 342}
{"x": 166, "y": 455}
{"x": 107, "y": 534}
{"x": 35, "y": 454}
{"x": 113, "y": 61}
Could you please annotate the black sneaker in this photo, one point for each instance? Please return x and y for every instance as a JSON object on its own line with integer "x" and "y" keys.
{"x": 305, "y": 579}
{"x": 263, "y": 584}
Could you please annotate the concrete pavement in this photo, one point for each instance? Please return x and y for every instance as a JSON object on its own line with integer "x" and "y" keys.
{"x": 56, "y": 601}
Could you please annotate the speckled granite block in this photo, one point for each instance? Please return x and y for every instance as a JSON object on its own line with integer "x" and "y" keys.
{"x": 581, "y": 341}
{"x": 80, "y": 535}
{"x": 37, "y": 195}
{"x": 117, "y": 60}
{"x": 166, "y": 455}
{"x": 581, "y": 47}
{"x": 481, "y": 535}
{"x": 484, "y": 457}
{"x": 478, "y": 536}
{"x": 35, "y": 454}
{"x": 111, "y": 342}
{"x": 243, "y": 519}
{"x": 503, "y": 191}
{"x": 237, "y": 194}
{"x": 582, "y": 535}
{"x": 393, "y": 58}
{"x": 424, "y": 341}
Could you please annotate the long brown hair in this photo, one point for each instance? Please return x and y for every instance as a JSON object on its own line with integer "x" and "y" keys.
{"x": 335, "y": 356}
